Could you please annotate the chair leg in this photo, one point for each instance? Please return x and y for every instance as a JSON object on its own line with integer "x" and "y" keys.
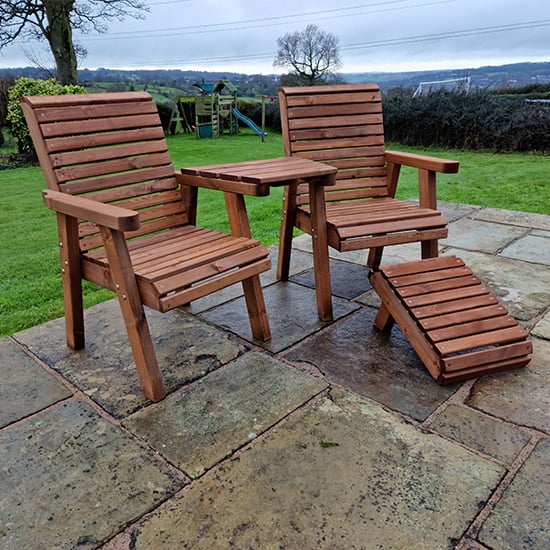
{"x": 430, "y": 249}
{"x": 71, "y": 280}
{"x": 287, "y": 227}
{"x": 255, "y": 304}
{"x": 133, "y": 314}
{"x": 375, "y": 257}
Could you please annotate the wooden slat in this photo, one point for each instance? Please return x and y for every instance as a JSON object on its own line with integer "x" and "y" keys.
{"x": 101, "y": 154}
{"x": 450, "y": 319}
{"x": 454, "y": 306}
{"x": 98, "y": 125}
{"x": 59, "y": 144}
{"x": 496, "y": 337}
{"x": 474, "y": 327}
{"x": 85, "y": 112}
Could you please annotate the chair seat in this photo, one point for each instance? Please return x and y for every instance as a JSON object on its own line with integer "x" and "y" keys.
{"x": 451, "y": 319}
{"x": 175, "y": 267}
{"x": 379, "y": 222}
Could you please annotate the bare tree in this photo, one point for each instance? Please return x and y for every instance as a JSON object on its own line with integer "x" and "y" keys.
{"x": 55, "y": 20}
{"x": 311, "y": 55}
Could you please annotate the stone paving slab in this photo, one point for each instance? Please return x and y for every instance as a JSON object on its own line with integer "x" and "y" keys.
{"x": 25, "y": 387}
{"x": 481, "y": 235}
{"x": 347, "y": 280}
{"x": 186, "y": 349}
{"x": 343, "y": 474}
{"x": 292, "y": 312}
{"x": 531, "y": 248}
{"x": 522, "y": 288}
{"x": 383, "y": 367}
{"x": 481, "y": 432}
{"x": 542, "y": 328}
{"x": 520, "y": 520}
{"x": 521, "y": 396}
{"x": 71, "y": 480}
{"x": 196, "y": 428}
{"x": 512, "y": 217}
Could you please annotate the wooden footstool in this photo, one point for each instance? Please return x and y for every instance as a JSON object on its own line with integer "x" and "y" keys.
{"x": 456, "y": 326}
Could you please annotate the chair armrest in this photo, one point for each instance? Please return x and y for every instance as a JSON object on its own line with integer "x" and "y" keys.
{"x": 96, "y": 212}
{"x": 423, "y": 162}
{"x": 188, "y": 176}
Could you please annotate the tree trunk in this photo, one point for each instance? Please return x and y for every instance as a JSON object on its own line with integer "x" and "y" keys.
{"x": 60, "y": 37}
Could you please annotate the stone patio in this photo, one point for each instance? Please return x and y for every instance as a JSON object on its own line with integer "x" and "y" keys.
{"x": 332, "y": 435}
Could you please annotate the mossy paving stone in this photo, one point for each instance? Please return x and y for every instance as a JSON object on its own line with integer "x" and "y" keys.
{"x": 26, "y": 387}
{"x": 520, "y": 520}
{"x": 344, "y": 474}
{"x": 70, "y": 479}
{"x": 186, "y": 349}
{"x": 196, "y": 428}
{"x": 521, "y": 396}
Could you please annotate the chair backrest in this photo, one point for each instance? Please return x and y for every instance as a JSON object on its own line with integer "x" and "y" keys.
{"x": 339, "y": 125}
{"x": 111, "y": 148}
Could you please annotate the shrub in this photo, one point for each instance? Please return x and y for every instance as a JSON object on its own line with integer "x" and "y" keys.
{"x": 29, "y": 86}
{"x": 466, "y": 120}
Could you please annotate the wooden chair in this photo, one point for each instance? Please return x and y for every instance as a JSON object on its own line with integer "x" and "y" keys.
{"x": 126, "y": 220}
{"x": 342, "y": 126}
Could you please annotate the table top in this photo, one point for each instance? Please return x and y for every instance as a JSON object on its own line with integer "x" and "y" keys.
{"x": 277, "y": 171}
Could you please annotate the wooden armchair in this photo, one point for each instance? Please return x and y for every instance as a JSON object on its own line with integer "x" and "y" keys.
{"x": 126, "y": 220}
{"x": 342, "y": 126}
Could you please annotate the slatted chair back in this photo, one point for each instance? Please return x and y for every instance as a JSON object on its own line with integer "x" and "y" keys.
{"x": 109, "y": 147}
{"x": 342, "y": 126}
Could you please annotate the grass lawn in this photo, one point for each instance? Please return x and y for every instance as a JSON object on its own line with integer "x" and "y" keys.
{"x": 30, "y": 286}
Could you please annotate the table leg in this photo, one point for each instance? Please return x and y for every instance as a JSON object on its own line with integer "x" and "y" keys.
{"x": 321, "y": 267}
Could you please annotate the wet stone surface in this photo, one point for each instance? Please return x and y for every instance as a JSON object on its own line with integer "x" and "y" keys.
{"x": 196, "y": 428}
{"x": 347, "y": 280}
{"x": 186, "y": 349}
{"x": 342, "y": 474}
{"x": 70, "y": 479}
{"x": 520, "y": 396}
{"x": 292, "y": 313}
{"x": 481, "y": 432}
{"x": 520, "y": 519}
{"x": 384, "y": 367}
{"x": 25, "y": 387}
{"x": 511, "y": 281}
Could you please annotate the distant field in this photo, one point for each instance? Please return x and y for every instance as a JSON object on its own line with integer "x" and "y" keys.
{"x": 30, "y": 286}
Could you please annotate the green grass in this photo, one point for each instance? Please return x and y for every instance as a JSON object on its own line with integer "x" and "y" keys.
{"x": 30, "y": 286}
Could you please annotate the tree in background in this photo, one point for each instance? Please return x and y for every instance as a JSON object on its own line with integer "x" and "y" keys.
{"x": 55, "y": 20}
{"x": 311, "y": 55}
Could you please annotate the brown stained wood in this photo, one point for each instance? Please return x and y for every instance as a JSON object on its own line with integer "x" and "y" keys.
{"x": 517, "y": 351}
{"x": 435, "y": 277}
{"x": 466, "y": 316}
{"x": 71, "y": 279}
{"x": 108, "y": 153}
{"x": 469, "y": 336}
{"x": 61, "y": 144}
{"x": 422, "y": 266}
{"x": 435, "y": 286}
{"x": 98, "y": 125}
{"x": 342, "y": 125}
{"x": 473, "y": 327}
{"x": 124, "y": 217}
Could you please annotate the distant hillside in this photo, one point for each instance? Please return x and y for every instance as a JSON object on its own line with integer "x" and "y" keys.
{"x": 505, "y": 76}
{"x": 513, "y": 75}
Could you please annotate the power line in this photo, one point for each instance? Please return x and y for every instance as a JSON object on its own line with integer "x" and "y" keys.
{"x": 262, "y": 22}
{"x": 373, "y": 44}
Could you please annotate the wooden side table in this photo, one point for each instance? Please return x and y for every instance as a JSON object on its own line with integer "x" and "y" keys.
{"x": 263, "y": 174}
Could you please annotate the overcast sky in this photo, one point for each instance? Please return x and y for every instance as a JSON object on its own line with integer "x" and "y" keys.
{"x": 376, "y": 35}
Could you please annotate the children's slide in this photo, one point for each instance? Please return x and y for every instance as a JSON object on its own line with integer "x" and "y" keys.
{"x": 257, "y": 130}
